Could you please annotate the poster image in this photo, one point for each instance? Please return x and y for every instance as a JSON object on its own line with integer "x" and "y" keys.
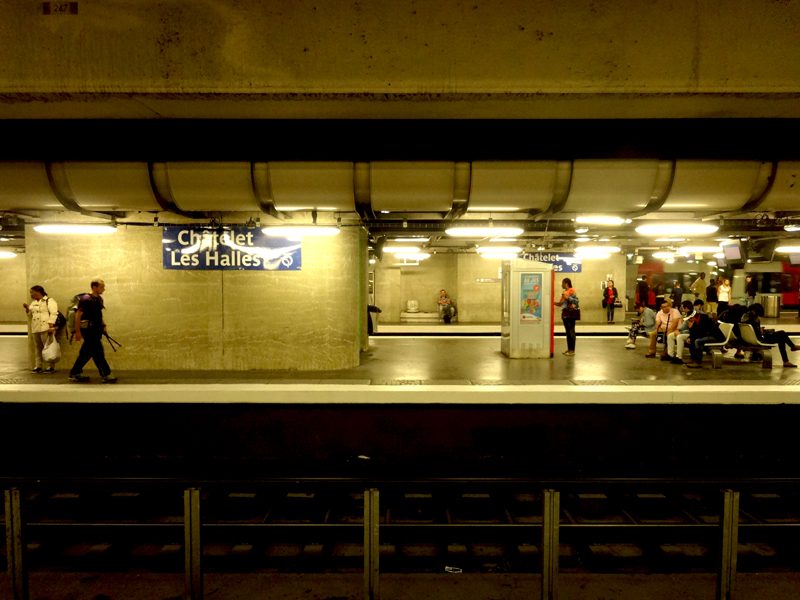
{"x": 530, "y": 289}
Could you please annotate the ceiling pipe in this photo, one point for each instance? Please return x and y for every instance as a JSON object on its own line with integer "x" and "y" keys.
{"x": 760, "y": 192}
{"x": 362, "y": 190}
{"x": 665, "y": 176}
{"x": 159, "y": 181}
{"x": 461, "y": 191}
{"x": 262, "y": 190}
{"x": 59, "y": 184}
{"x": 561, "y": 189}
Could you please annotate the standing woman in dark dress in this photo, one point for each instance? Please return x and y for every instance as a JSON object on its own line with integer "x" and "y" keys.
{"x": 570, "y": 312}
{"x": 610, "y": 296}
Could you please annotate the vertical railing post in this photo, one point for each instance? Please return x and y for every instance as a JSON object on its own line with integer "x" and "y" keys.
{"x": 193, "y": 548}
{"x": 551, "y": 512}
{"x": 371, "y": 544}
{"x": 15, "y": 545}
{"x": 730, "y": 544}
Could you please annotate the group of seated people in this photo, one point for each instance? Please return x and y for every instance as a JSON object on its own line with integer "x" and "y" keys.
{"x": 692, "y": 327}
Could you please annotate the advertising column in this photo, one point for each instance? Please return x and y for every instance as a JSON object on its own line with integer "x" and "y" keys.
{"x": 527, "y": 325}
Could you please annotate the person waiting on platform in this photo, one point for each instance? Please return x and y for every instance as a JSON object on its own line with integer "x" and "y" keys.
{"x": 677, "y": 295}
{"x": 446, "y": 308}
{"x": 751, "y": 289}
{"x": 677, "y": 339}
{"x": 667, "y": 320}
{"x": 753, "y": 317}
{"x": 646, "y": 323}
{"x": 723, "y": 294}
{"x": 610, "y": 296}
{"x": 702, "y": 331}
{"x": 698, "y": 288}
{"x": 42, "y": 312}
{"x": 570, "y": 313}
{"x": 699, "y": 306}
{"x": 643, "y": 290}
{"x": 711, "y": 297}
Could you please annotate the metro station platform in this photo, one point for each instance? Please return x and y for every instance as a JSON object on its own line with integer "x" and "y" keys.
{"x": 440, "y": 369}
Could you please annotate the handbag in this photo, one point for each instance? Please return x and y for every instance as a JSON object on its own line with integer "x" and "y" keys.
{"x": 617, "y": 303}
{"x": 52, "y": 351}
{"x": 571, "y": 313}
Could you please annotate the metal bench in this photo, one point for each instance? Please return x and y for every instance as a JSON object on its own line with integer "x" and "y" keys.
{"x": 718, "y": 347}
{"x": 750, "y": 338}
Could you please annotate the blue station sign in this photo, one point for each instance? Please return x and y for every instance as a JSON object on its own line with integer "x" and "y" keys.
{"x": 563, "y": 262}
{"x": 228, "y": 249}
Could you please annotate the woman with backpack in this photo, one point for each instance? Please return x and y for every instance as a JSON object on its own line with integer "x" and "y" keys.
{"x": 43, "y": 313}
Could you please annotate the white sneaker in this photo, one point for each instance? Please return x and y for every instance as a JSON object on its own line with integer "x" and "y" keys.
{"x": 630, "y": 346}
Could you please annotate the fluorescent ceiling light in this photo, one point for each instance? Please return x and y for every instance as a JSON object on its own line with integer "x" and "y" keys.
{"x": 601, "y": 249}
{"x": 418, "y": 239}
{"x": 505, "y": 249}
{"x": 663, "y": 255}
{"x": 600, "y": 220}
{"x": 4, "y": 239}
{"x": 413, "y": 256}
{"x": 85, "y": 229}
{"x": 670, "y": 260}
{"x": 483, "y": 231}
{"x": 372, "y": 261}
{"x": 671, "y": 240}
{"x": 788, "y": 249}
{"x": 406, "y": 264}
{"x": 581, "y": 230}
{"x": 589, "y": 255}
{"x": 677, "y": 229}
{"x": 493, "y": 209}
{"x": 299, "y": 231}
{"x": 699, "y": 249}
{"x": 718, "y": 255}
{"x": 7, "y": 254}
{"x": 502, "y": 255}
{"x": 604, "y": 240}
{"x": 582, "y": 239}
{"x": 791, "y": 227}
{"x": 406, "y": 249}
{"x": 503, "y": 239}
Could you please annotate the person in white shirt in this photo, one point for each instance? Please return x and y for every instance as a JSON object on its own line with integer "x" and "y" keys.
{"x": 723, "y": 296}
{"x": 42, "y": 312}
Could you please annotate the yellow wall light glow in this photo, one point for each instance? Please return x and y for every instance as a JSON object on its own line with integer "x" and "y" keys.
{"x": 7, "y": 254}
{"x": 788, "y": 249}
{"x": 84, "y": 229}
{"x": 500, "y": 255}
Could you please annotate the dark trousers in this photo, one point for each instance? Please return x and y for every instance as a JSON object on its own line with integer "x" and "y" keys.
{"x": 610, "y": 312}
{"x": 92, "y": 349}
{"x": 782, "y": 339}
{"x": 569, "y": 327}
{"x": 696, "y": 349}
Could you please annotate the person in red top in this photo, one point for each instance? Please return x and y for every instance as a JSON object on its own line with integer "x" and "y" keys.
{"x": 610, "y": 296}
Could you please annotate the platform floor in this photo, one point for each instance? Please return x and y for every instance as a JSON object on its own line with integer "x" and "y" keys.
{"x": 447, "y": 369}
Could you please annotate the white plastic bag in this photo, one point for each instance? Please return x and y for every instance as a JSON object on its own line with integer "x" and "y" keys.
{"x": 52, "y": 351}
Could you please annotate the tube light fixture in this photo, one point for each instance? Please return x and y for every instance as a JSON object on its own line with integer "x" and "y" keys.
{"x": 418, "y": 240}
{"x": 413, "y": 256}
{"x": 663, "y": 255}
{"x": 405, "y": 249}
{"x": 671, "y": 240}
{"x": 600, "y": 220}
{"x": 583, "y": 239}
{"x": 406, "y": 264}
{"x": 84, "y": 229}
{"x": 601, "y": 249}
{"x": 788, "y": 249}
{"x": 581, "y": 230}
{"x": 670, "y": 261}
{"x": 677, "y": 229}
{"x": 718, "y": 255}
{"x": 501, "y": 255}
{"x": 372, "y": 261}
{"x": 791, "y": 227}
{"x": 483, "y": 231}
{"x": 503, "y": 239}
{"x": 504, "y": 249}
{"x": 7, "y": 254}
{"x": 712, "y": 263}
{"x": 590, "y": 255}
{"x": 299, "y": 231}
{"x": 699, "y": 249}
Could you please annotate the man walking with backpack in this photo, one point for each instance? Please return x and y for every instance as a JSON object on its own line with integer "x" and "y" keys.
{"x": 89, "y": 327}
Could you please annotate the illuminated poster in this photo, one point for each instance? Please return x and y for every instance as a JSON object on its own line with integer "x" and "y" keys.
{"x": 228, "y": 249}
{"x": 530, "y": 290}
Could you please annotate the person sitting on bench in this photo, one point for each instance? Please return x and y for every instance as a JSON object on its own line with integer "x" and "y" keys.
{"x": 677, "y": 339}
{"x": 753, "y": 317}
{"x": 646, "y": 323}
{"x": 667, "y": 320}
{"x": 446, "y": 308}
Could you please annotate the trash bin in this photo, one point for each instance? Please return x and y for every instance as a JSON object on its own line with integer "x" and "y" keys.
{"x": 772, "y": 304}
